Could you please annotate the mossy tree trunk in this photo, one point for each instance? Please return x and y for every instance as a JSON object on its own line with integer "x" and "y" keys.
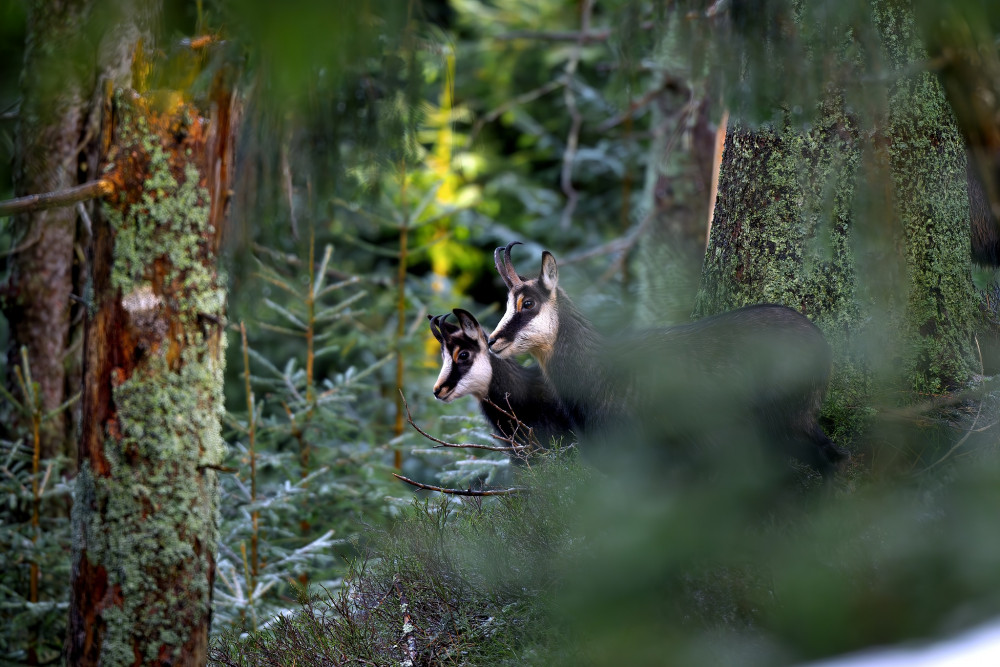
{"x": 862, "y": 226}
{"x": 145, "y": 516}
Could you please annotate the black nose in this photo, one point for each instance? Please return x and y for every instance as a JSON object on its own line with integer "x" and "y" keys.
{"x": 491, "y": 341}
{"x": 437, "y": 391}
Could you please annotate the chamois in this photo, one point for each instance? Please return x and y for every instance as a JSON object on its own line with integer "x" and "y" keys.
{"x": 766, "y": 364}
{"x": 510, "y": 395}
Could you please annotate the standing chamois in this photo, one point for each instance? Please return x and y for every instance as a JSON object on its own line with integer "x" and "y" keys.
{"x": 762, "y": 367}
{"x": 517, "y": 401}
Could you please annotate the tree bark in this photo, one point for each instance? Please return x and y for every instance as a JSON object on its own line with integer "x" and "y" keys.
{"x": 51, "y": 124}
{"x": 145, "y": 518}
{"x": 676, "y": 191}
{"x": 864, "y": 229}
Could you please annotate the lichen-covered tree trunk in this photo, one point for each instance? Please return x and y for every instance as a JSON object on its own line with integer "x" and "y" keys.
{"x": 146, "y": 506}
{"x": 864, "y": 229}
{"x": 36, "y": 300}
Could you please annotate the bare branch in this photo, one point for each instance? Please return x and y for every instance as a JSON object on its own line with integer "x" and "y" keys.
{"x": 442, "y": 443}
{"x": 67, "y": 197}
{"x": 460, "y": 492}
{"x": 668, "y": 83}
{"x": 584, "y": 36}
{"x": 521, "y": 99}
{"x": 410, "y": 645}
{"x": 573, "y": 138}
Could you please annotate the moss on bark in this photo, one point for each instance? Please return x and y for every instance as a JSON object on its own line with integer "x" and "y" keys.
{"x": 145, "y": 520}
{"x": 860, "y": 220}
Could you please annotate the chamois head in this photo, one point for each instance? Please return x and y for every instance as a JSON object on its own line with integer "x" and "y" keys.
{"x": 465, "y": 363}
{"x": 531, "y": 322}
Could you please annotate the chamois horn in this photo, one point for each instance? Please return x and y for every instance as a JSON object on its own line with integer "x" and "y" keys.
{"x": 505, "y": 268}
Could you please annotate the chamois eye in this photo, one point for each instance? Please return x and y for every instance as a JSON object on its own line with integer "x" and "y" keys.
{"x": 463, "y": 355}
{"x": 527, "y": 304}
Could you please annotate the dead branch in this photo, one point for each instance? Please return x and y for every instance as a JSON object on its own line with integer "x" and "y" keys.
{"x": 460, "y": 492}
{"x": 583, "y": 36}
{"x": 67, "y": 197}
{"x": 442, "y": 443}
{"x": 668, "y": 83}
{"x": 520, "y": 100}
{"x": 410, "y": 644}
{"x": 576, "y": 118}
{"x": 521, "y": 448}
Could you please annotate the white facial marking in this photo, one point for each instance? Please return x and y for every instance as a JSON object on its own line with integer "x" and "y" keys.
{"x": 443, "y": 375}
{"x": 476, "y": 380}
{"x": 501, "y": 350}
{"x": 537, "y": 337}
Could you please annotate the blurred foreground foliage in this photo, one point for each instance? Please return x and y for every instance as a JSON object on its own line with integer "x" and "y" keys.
{"x": 635, "y": 567}
{"x": 423, "y": 135}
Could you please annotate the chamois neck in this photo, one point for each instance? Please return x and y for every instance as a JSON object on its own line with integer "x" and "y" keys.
{"x": 506, "y": 375}
{"x": 577, "y": 368}
{"x": 577, "y": 341}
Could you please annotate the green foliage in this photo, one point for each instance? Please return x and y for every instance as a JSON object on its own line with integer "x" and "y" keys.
{"x": 365, "y": 124}
{"x": 307, "y": 467}
{"x": 34, "y": 533}
{"x": 45, "y": 619}
{"x": 449, "y": 583}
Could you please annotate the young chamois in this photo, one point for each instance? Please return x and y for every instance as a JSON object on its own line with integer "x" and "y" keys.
{"x": 763, "y": 366}
{"x": 512, "y": 398}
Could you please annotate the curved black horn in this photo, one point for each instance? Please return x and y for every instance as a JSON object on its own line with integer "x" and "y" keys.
{"x": 508, "y": 267}
{"x": 436, "y": 327}
{"x": 498, "y": 262}
{"x": 447, "y": 330}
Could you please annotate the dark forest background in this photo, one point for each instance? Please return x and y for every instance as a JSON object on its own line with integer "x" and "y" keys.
{"x": 380, "y": 152}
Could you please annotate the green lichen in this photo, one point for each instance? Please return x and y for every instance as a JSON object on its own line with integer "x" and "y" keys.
{"x": 927, "y": 162}
{"x": 170, "y": 221}
{"x": 156, "y": 529}
{"x": 864, "y": 227}
{"x": 159, "y": 519}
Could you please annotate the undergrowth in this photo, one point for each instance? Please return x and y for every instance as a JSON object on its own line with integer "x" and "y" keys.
{"x": 452, "y": 582}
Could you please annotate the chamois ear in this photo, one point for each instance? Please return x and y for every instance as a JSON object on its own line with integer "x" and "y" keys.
{"x": 549, "y": 277}
{"x": 470, "y": 325}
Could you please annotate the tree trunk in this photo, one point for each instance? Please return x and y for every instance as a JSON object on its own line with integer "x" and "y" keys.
{"x": 146, "y": 507}
{"x": 866, "y": 230}
{"x": 36, "y": 303}
{"x": 676, "y": 191}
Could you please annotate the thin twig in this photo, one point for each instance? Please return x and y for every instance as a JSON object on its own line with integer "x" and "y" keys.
{"x": 460, "y": 492}
{"x": 408, "y": 642}
{"x": 286, "y": 182}
{"x": 81, "y": 210}
{"x": 583, "y": 36}
{"x": 252, "y": 451}
{"x": 971, "y": 430}
{"x": 35, "y": 237}
{"x": 442, "y": 443}
{"x": 573, "y": 138}
{"x": 67, "y": 197}
{"x": 520, "y": 100}
{"x": 520, "y": 446}
{"x": 667, "y": 83}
